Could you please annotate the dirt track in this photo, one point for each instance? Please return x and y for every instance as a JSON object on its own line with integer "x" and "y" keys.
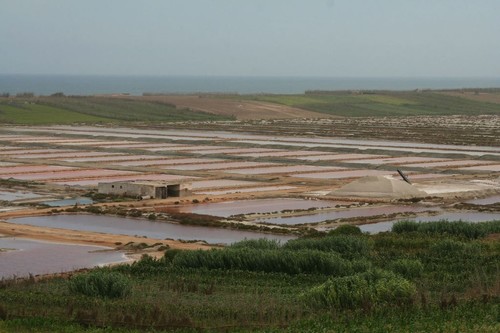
{"x": 242, "y": 110}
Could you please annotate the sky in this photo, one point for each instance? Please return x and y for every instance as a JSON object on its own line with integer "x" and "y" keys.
{"x": 327, "y": 38}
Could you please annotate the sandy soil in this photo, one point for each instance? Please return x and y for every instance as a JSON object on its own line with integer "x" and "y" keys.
{"x": 242, "y": 110}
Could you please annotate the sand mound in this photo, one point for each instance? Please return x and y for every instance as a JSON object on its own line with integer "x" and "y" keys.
{"x": 379, "y": 186}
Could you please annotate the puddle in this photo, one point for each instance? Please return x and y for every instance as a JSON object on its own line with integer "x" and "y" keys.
{"x": 485, "y": 201}
{"x": 139, "y": 227}
{"x": 69, "y": 202}
{"x": 468, "y": 216}
{"x": 226, "y": 209}
{"x": 37, "y": 257}
{"x": 345, "y": 213}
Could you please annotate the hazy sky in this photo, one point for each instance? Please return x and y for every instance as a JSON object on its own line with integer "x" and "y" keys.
{"x": 335, "y": 38}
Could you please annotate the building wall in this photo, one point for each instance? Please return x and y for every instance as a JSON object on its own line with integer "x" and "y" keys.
{"x": 128, "y": 189}
{"x": 134, "y": 190}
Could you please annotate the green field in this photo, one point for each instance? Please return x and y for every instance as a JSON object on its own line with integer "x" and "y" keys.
{"x": 437, "y": 277}
{"x": 374, "y": 104}
{"x": 69, "y": 110}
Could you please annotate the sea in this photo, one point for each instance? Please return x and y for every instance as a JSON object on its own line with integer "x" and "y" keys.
{"x": 139, "y": 85}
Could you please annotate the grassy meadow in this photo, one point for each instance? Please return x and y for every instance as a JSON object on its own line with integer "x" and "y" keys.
{"x": 382, "y": 103}
{"x": 92, "y": 110}
{"x": 60, "y": 109}
{"x": 443, "y": 277}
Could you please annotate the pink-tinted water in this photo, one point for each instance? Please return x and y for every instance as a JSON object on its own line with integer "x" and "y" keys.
{"x": 282, "y": 153}
{"x": 339, "y": 157}
{"x": 249, "y": 190}
{"x": 468, "y": 217}
{"x": 66, "y": 154}
{"x": 70, "y": 174}
{"x": 168, "y": 161}
{"x": 448, "y": 163}
{"x": 231, "y": 150}
{"x": 17, "y": 153}
{"x": 226, "y": 209}
{"x": 283, "y": 169}
{"x": 140, "y": 227}
{"x": 343, "y": 174}
{"x": 221, "y": 183}
{"x": 104, "y": 179}
{"x": 344, "y": 213}
{"x": 485, "y": 201}
{"x": 110, "y": 159}
{"x": 495, "y": 168}
{"x": 217, "y": 166}
{"x": 37, "y": 257}
{"x": 33, "y": 169}
{"x": 140, "y": 145}
{"x": 398, "y": 160}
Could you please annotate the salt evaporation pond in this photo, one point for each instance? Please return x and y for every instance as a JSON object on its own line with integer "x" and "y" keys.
{"x": 37, "y": 257}
{"x": 374, "y": 228}
{"x": 485, "y": 201}
{"x": 229, "y": 208}
{"x": 139, "y": 227}
{"x": 344, "y": 213}
{"x": 17, "y": 195}
{"x": 69, "y": 202}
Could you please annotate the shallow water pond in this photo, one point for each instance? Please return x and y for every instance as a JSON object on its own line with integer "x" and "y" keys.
{"x": 141, "y": 228}
{"x": 466, "y": 216}
{"x": 26, "y": 257}
{"x": 228, "y": 208}
{"x": 343, "y": 213}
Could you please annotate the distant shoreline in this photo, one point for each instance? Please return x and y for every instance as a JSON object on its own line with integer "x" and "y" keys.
{"x": 137, "y": 85}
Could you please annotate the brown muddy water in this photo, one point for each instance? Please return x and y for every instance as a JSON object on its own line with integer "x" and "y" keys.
{"x": 143, "y": 228}
{"x": 26, "y": 257}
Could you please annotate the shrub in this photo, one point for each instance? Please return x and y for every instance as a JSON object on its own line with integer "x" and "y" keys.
{"x": 100, "y": 284}
{"x": 346, "y": 229}
{"x": 457, "y": 228}
{"x": 362, "y": 291}
{"x": 407, "y": 267}
{"x": 257, "y": 260}
{"x": 347, "y": 246}
{"x": 261, "y": 243}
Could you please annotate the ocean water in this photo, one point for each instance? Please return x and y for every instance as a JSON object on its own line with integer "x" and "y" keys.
{"x": 137, "y": 85}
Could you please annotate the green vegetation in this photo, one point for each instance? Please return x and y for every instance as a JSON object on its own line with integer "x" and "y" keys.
{"x": 412, "y": 281}
{"x": 88, "y": 109}
{"x": 382, "y": 103}
{"x": 100, "y": 284}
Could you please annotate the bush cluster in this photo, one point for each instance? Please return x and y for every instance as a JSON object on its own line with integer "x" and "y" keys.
{"x": 100, "y": 284}
{"x": 363, "y": 290}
